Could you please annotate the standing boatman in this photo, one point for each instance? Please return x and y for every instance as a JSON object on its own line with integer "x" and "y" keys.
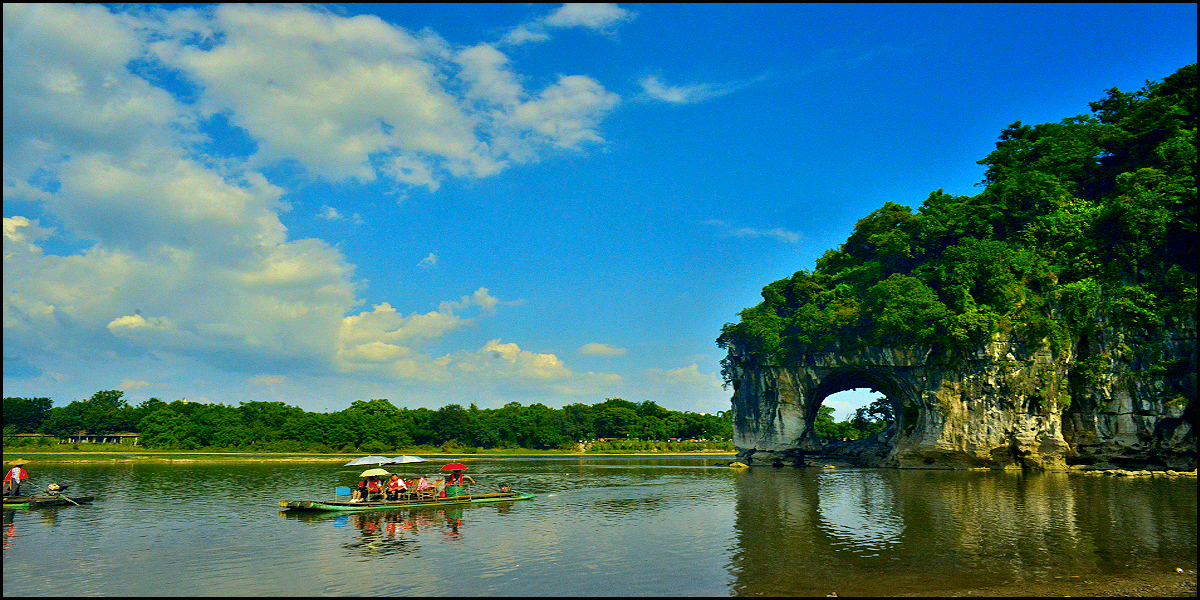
{"x": 454, "y": 486}
{"x": 12, "y": 479}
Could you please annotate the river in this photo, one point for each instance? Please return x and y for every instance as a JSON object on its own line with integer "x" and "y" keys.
{"x": 671, "y": 526}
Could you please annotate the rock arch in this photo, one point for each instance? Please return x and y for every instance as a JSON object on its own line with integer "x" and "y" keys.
{"x": 1006, "y": 405}
{"x": 774, "y": 408}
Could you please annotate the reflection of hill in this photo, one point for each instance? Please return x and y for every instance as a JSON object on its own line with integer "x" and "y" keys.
{"x": 886, "y": 532}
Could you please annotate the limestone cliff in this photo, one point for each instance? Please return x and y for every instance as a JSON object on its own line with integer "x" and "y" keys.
{"x": 1119, "y": 397}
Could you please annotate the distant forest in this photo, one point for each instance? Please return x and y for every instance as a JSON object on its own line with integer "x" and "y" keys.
{"x": 370, "y": 426}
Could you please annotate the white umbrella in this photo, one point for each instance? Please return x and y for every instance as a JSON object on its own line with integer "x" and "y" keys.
{"x": 404, "y": 459}
{"x": 369, "y": 460}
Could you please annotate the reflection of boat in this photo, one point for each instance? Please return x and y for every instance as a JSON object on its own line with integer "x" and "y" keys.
{"x": 43, "y": 501}
{"x": 323, "y": 505}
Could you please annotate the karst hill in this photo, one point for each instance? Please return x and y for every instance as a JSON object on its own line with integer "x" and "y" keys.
{"x": 1046, "y": 322}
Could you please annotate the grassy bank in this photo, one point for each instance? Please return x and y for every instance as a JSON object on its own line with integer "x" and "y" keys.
{"x": 126, "y": 455}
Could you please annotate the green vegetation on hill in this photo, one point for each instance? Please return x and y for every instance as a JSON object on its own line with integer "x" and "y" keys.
{"x": 1093, "y": 216}
{"x": 371, "y": 426}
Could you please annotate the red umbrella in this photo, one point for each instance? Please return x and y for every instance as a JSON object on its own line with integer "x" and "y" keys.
{"x": 454, "y": 467}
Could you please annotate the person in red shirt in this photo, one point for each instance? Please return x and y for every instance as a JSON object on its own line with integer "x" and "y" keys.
{"x": 395, "y": 486}
{"x": 373, "y": 488}
{"x": 12, "y": 479}
{"x": 454, "y": 485}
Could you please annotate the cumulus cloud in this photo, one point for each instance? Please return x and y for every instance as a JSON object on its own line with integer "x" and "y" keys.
{"x": 594, "y": 349}
{"x": 23, "y": 231}
{"x": 685, "y": 377}
{"x": 384, "y": 343}
{"x": 599, "y": 17}
{"x": 183, "y": 254}
{"x": 183, "y": 251}
{"x": 529, "y": 371}
{"x": 360, "y": 98}
{"x": 480, "y": 298}
{"x": 688, "y": 386}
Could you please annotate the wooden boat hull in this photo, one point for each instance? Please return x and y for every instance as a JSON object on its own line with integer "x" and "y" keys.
{"x": 328, "y": 506}
{"x": 13, "y": 502}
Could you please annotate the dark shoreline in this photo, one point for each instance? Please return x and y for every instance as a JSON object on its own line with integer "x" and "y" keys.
{"x": 1168, "y": 584}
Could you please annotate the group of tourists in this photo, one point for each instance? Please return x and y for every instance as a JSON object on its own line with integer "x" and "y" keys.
{"x": 372, "y": 488}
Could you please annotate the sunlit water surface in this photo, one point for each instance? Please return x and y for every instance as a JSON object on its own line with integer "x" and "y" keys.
{"x": 611, "y": 527}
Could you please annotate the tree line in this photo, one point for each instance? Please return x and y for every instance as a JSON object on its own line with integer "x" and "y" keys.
{"x": 370, "y": 426}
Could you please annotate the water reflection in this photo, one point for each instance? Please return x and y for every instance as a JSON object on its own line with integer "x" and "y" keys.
{"x": 10, "y": 530}
{"x": 860, "y": 511}
{"x": 658, "y": 527}
{"x": 392, "y": 532}
{"x": 886, "y": 532}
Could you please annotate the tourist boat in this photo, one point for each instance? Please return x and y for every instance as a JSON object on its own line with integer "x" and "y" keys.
{"x": 13, "y": 502}
{"x": 328, "y": 505}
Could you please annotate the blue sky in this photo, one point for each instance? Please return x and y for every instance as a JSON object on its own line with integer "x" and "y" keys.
{"x": 437, "y": 203}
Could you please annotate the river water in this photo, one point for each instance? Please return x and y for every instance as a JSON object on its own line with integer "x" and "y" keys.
{"x": 611, "y": 527}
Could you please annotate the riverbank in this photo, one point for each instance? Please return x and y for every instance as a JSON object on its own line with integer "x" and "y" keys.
{"x": 1169, "y": 584}
{"x": 254, "y": 457}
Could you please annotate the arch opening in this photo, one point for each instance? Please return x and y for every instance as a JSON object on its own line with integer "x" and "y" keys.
{"x": 868, "y": 434}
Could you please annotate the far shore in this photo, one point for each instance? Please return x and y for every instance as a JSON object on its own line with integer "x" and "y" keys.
{"x": 193, "y": 457}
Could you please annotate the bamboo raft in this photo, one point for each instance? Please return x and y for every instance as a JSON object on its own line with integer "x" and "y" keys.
{"x": 13, "y": 502}
{"x": 326, "y": 505}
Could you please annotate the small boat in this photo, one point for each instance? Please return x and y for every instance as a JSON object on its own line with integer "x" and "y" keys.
{"x": 327, "y": 505}
{"x": 13, "y": 502}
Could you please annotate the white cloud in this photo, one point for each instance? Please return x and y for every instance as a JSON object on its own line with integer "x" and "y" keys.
{"x": 685, "y": 94}
{"x": 523, "y": 34}
{"x": 384, "y": 343}
{"x": 599, "y": 17}
{"x": 129, "y": 385}
{"x": 689, "y": 376}
{"x": 188, "y": 257}
{"x": 360, "y": 98}
{"x": 777, "y": 233}
{"x": 509, "y": 359}
{"x": 330, "y": 213}
{"x": 480, "y": 298}
{"x": 687, "y": 386}
{"x": 19, "y": 230}
{"x": 594, "y": 349}
{"x": 67, "y": 90}
{"x": 654, "y": 89}
{"x": 428, "y": 262}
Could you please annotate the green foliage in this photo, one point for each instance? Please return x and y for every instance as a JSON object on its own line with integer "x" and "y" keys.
{"x": 1090, "y": 217}
{"x": 25, "y": 415}
{"x": 373, "y": 427}
{"x": 867, "y": 421}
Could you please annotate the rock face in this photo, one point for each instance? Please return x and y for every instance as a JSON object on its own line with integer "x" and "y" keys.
{"x": 1120, "y": 398}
